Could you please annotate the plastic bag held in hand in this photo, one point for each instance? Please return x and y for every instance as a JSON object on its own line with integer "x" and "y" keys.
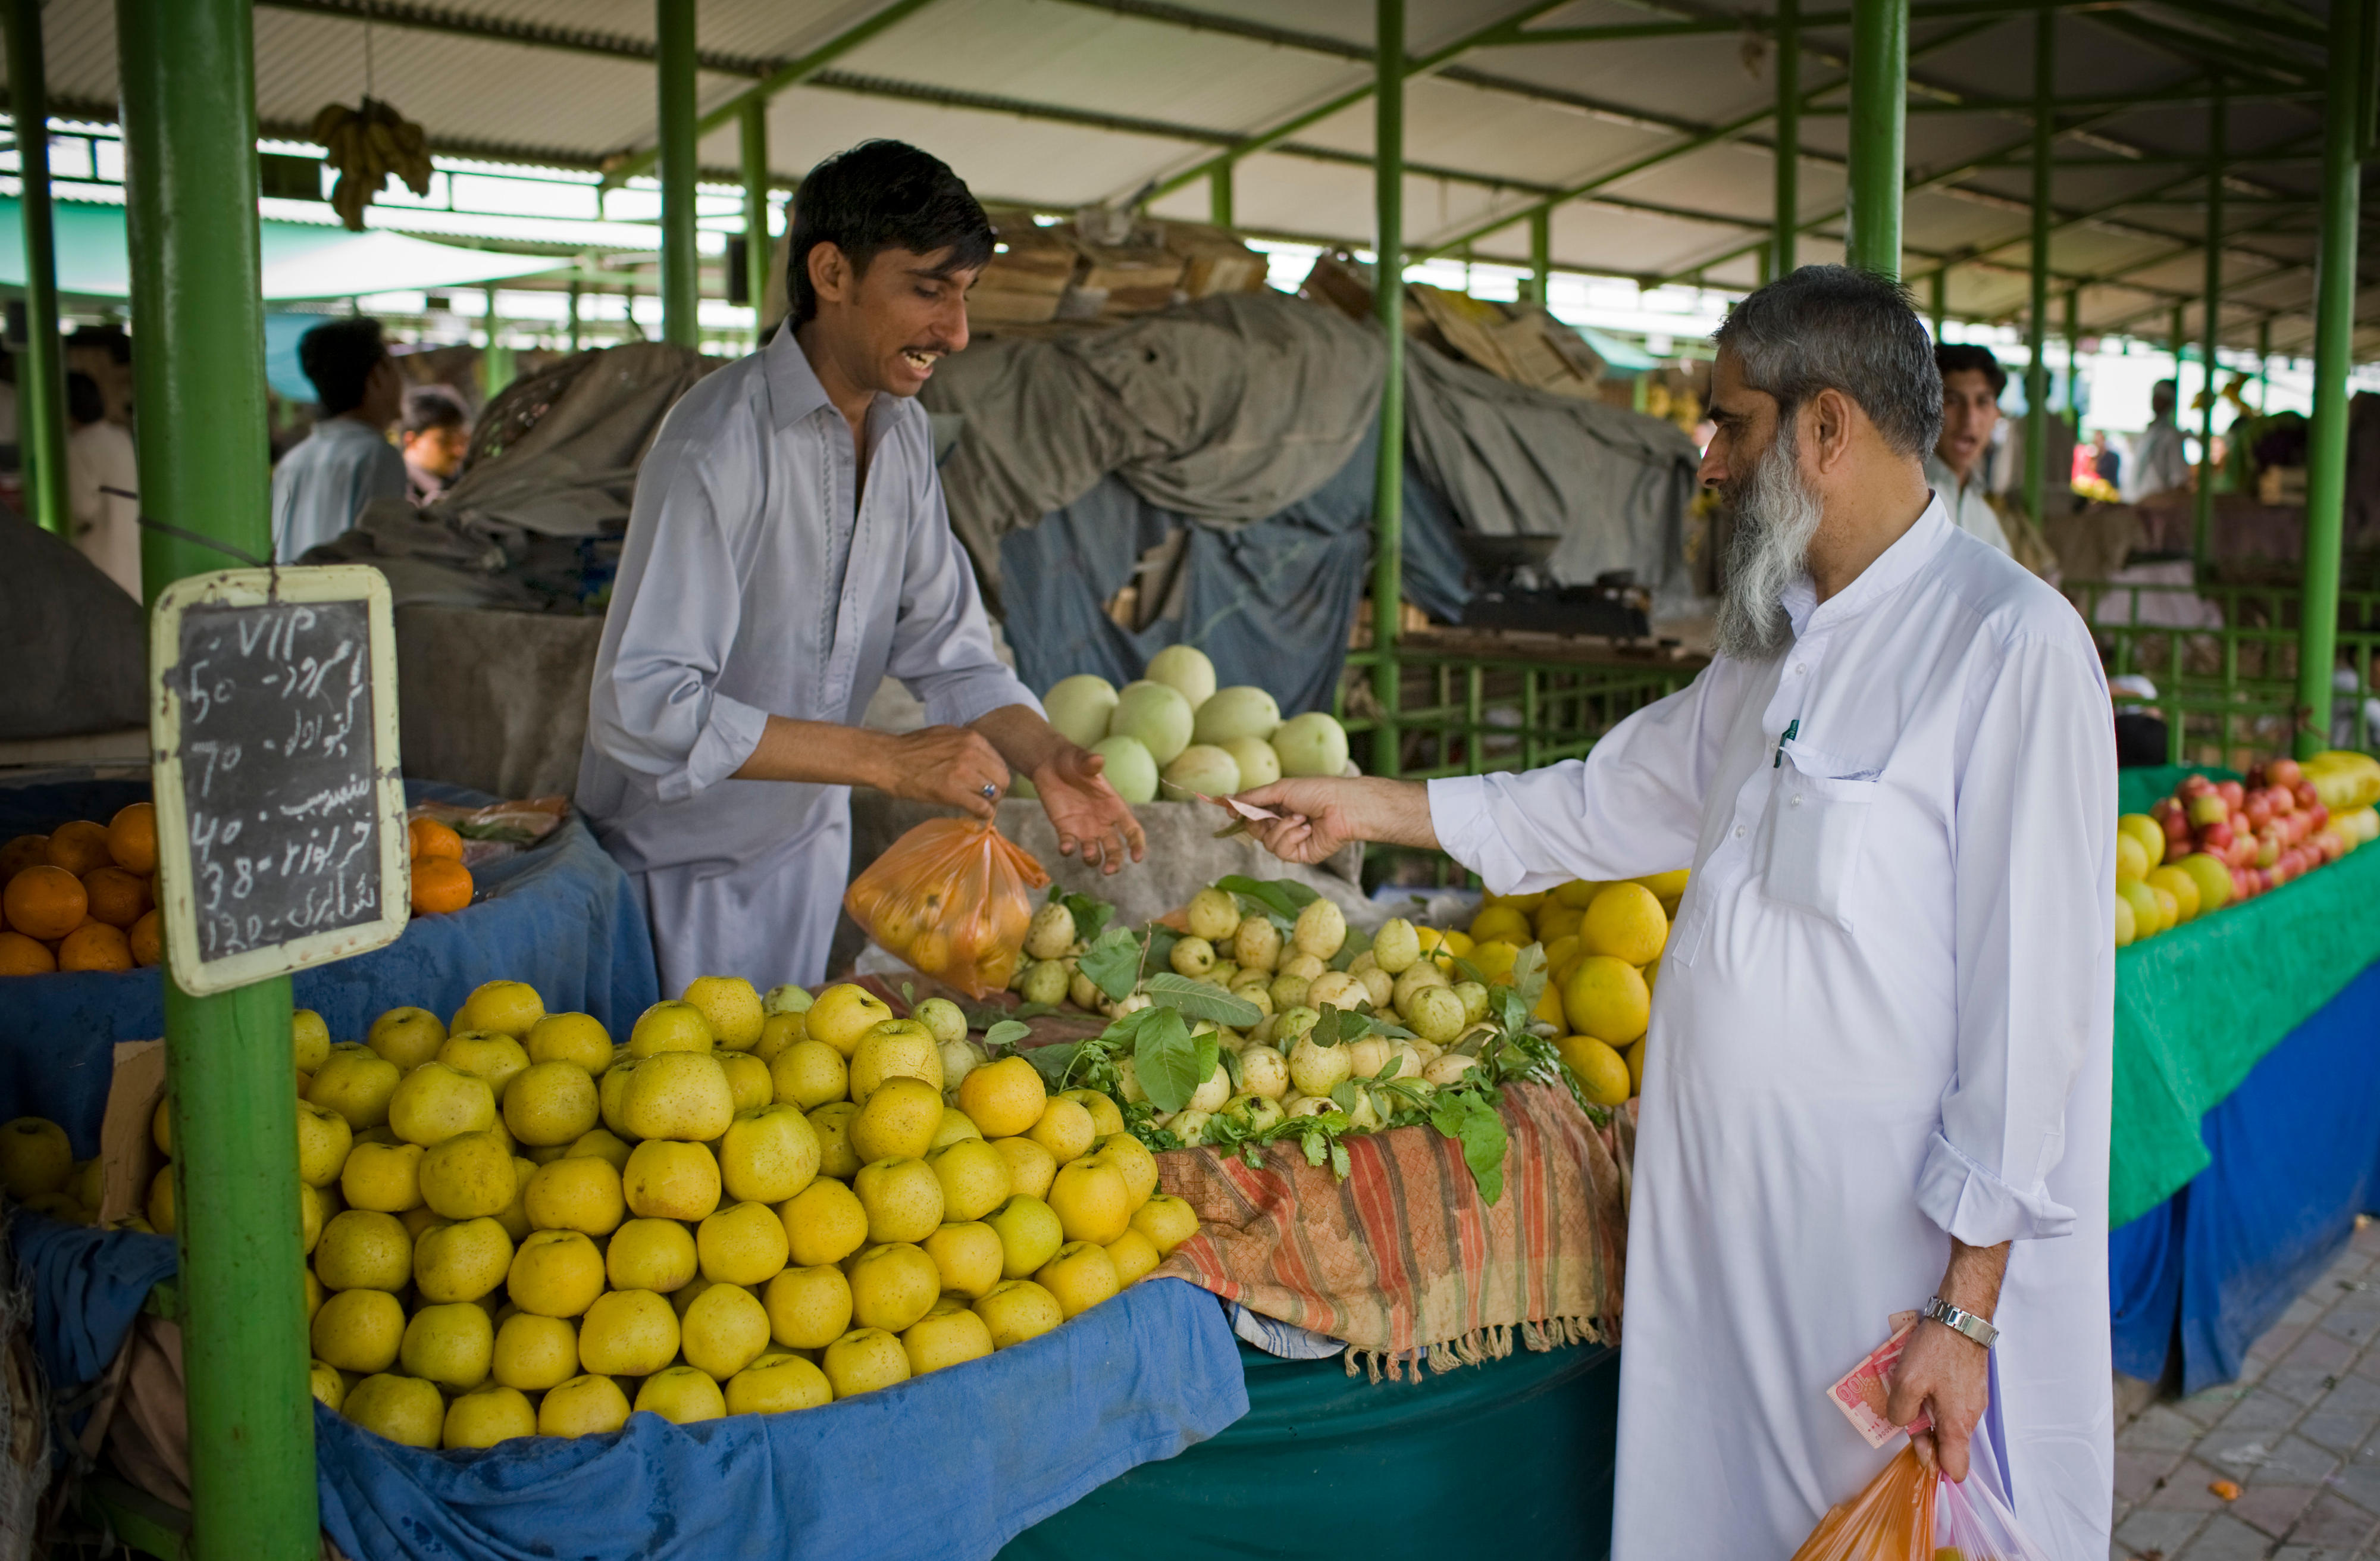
{"x": 1972, "y": 1522}
{"x": 1891, "y": 1520}
{"x": 954, "y": 897}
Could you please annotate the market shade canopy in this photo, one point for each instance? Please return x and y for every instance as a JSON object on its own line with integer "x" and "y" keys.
{"x": 300, "y": 259}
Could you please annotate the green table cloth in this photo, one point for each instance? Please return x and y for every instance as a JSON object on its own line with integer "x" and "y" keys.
{"x": 1514, "y": 1457}
{"x": 2197, "y": 1006}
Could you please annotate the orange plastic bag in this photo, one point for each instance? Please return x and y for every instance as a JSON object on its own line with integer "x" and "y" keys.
{"x": 954, "y": 897}
{"x": 1891, "y": 1520}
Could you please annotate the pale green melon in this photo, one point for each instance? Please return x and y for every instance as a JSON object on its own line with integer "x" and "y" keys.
{"x": 1311, "y": 744}
{"x": 1130, "y": 769}
{"x": 1158, "y": 716}
{"x": 1259, "y": 765}
{"x": 1201, "y": 769}
{"x": 1079, "y": 707}
{"x": 1240, "y": 711}
{"x": 1186, "y": 669}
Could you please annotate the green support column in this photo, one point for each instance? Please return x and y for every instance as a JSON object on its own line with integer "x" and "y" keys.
{"x": 2203, "y": 515}
{"x": 2265, "y": 364}
{"x": 755, "y": 126}
{"x": 1219, "y": 196}
{"x": 2036, "y": 374}
{"x": 1938, "y": 298}
{"x": 496, "y": 360}
{"x": 1789, "y": 137}
{"x": 1878, "y": 114}
{"x": 1389, "y": 307}
{"x": 2074, "y": 359}
{"x": 2334, "y": 355}
{"x": 42, "y": 385}
{"x": 681, "y": 281}
{"x": 571, "y": 317}
{"x": 1541, "y": 256}
{"x": 188, "y": 95}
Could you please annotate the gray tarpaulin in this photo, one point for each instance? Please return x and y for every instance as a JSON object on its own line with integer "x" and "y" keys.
{"x": 77, "y": 647}
{"x": 1613, "y": 482}
{"x": 1269, "y": 601}
{"x": 1231, "y": 408}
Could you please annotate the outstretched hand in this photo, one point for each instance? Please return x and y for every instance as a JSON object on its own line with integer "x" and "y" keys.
{"x": 1316, "y": 818}
{"x": 1084, "y": 810}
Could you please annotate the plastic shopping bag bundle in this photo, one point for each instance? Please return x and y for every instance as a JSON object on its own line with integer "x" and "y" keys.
{"x": 954, "y": 897}
{"x": 1909, "y": 1512}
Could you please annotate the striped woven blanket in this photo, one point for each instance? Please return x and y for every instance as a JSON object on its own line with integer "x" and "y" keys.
{"x": 1403, "y": 1259}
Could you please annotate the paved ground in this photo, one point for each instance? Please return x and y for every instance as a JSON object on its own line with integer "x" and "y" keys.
{"x": 2298, "y": 1434}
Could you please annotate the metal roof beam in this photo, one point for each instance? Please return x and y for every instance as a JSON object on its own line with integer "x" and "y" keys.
{"x": 792, "y": 73}
{"x": 1711, "y": 136}
{"x": 2201, "y": 51}
{"x": 1687, "y": 26}
{"x": 500, "y": 30}
{"x": 2193, "y": 96}
{"x": 1282, "y": 130}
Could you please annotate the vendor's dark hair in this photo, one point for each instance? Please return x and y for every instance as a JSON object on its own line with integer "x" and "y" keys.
{"x": 882, "y": 195}
{"x": 433, "y": 406}
{"x": 85, "y": 405}
{"x": 338, "y": 356}
{"x": 1832, "y": 327}
{"x": 1961, "y": 358}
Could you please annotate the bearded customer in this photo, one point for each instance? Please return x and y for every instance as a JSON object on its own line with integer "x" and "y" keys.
{"x": 1879, "y": 1067}
{"x": 787, "y": 549}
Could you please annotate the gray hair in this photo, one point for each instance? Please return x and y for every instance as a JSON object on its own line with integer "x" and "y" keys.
{"x": 1830, "y": 327}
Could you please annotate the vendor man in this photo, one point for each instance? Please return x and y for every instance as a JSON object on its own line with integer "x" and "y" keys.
{"x": 789, "y": 549}
{"x": 1971, "y": 381}
{"x": 1879, "y": 1074}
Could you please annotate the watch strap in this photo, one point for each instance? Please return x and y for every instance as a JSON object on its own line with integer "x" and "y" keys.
{"x": 1961, "y": 1320}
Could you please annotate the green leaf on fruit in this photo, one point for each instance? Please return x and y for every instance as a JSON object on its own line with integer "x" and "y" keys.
{"x": 1344, "y": 1095}
{"x": 1283, "y": 897}
{"x": 1053, "y": 1062}
{"x": 1528, "y": 974}
{"x": 1112, "y": 963}
{"x": 1165, "y": 1056}
{"x": 1007, "y": 1032}
{"x": 1231, "y": 1061}
{"x": 1091, "y": 916}
{"x": 1358, "y": 943}
{"x": 1201, "y": 1000}
{"x": 1160, "y": 940}
{"x": 1470, "y": 1118}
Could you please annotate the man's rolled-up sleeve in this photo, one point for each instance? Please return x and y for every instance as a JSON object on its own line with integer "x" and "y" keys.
{"x": 1632, "y": 806}
{"x": 2034, "y": 853}
{"x": 656, "y": 709}
{"x": 943, "y": 649}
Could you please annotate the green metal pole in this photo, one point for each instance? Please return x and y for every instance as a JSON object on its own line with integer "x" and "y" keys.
{"x": 2203, "y": 515}
{"x": 496, "y": 363}
{"x": 572, "y": 317}
{"x": 1788, "y": 136}
{"x": 189, "y": 94}
{"x": 2074, "y": 359}
{"x": 1219, "y": 196}
{"x": 2036, "y": 374}
{"x": 1879, "y": 110}
{"x": 681, "y": 291}
{"x": 1387, "y": 307}
{"x": 2265, "y": 364}
{"x": 1541, "y": 256}
{"x": 755, "y": 126}
{"x": 43, "y": 425}
{"x": 2334, "y": 355}
{"x": 1939, "y": 299}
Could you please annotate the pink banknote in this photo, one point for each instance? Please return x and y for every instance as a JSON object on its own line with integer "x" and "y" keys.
{"x": 1860, "y": 1394}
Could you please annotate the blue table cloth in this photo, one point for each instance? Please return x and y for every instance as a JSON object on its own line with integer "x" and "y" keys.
{"x": 2295, "y": 1156}
{"x": 562, "y": 917}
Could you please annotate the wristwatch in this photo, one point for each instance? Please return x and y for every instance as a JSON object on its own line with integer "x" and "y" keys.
{"x": 1961, "y": 1320}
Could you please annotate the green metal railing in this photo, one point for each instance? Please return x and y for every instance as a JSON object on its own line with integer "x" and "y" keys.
{"x": 2228, "y": 687}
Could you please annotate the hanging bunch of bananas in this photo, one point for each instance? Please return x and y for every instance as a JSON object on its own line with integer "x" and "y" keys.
{"x": 366, "y": 145}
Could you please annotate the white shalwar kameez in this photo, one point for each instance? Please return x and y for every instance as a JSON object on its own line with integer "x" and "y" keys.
{"x": 1884, "y": 1019}
{"x": 758, "y": 579}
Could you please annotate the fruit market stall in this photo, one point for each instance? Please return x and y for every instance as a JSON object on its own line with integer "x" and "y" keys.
{"x": 554, "y": 908}
{"x": 2245, "y": 1143}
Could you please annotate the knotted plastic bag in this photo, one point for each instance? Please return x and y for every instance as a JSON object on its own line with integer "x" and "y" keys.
{"x": 954, "y": 897}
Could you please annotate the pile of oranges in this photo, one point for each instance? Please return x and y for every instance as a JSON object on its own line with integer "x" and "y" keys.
{"x": 440, "y": 882}
{"x": 82, "y": 897}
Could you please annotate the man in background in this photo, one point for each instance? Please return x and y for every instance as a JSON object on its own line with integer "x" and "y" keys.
{"x": 346, "y": 462}
{"x": 103, "y": 485}
{"x": 434, "y": 437}
{"x": 2159, "y": 462}
{"x": 1971, "y": 381}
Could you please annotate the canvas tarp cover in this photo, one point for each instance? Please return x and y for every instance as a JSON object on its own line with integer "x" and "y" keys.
{"x": 77, "y": 646}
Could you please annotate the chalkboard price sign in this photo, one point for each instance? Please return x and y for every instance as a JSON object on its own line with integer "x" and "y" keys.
{"x": 280, "y": 809}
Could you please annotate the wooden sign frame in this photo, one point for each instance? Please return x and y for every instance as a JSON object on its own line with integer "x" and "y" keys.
{"x": 177, "y": 896}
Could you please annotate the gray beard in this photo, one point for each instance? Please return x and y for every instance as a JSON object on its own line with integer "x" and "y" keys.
{"x": 1776, "y": 516}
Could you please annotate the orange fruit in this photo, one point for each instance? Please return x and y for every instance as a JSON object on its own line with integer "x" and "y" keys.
{"x": 45, "y": 902}
{"x": 24, "y": 851}
{"x": 440, "y": 884}
{"x": 96, "y": 946}
{"x": 428, "y": 837}
{"x": 132, "y": 838}
{"x": 117, "y": 897}
{"x": 147, "y": 939}
{"x": 79, "y": 846}
{"x": 20, "y": 956}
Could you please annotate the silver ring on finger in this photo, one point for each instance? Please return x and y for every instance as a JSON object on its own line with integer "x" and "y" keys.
{"x": 990, "y": 792}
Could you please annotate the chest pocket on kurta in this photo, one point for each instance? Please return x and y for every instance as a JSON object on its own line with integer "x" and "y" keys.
{"x": 1818, "y": 818}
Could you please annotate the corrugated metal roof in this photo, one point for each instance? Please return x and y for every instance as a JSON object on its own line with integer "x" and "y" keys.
{"x": 1066, "y": 101}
